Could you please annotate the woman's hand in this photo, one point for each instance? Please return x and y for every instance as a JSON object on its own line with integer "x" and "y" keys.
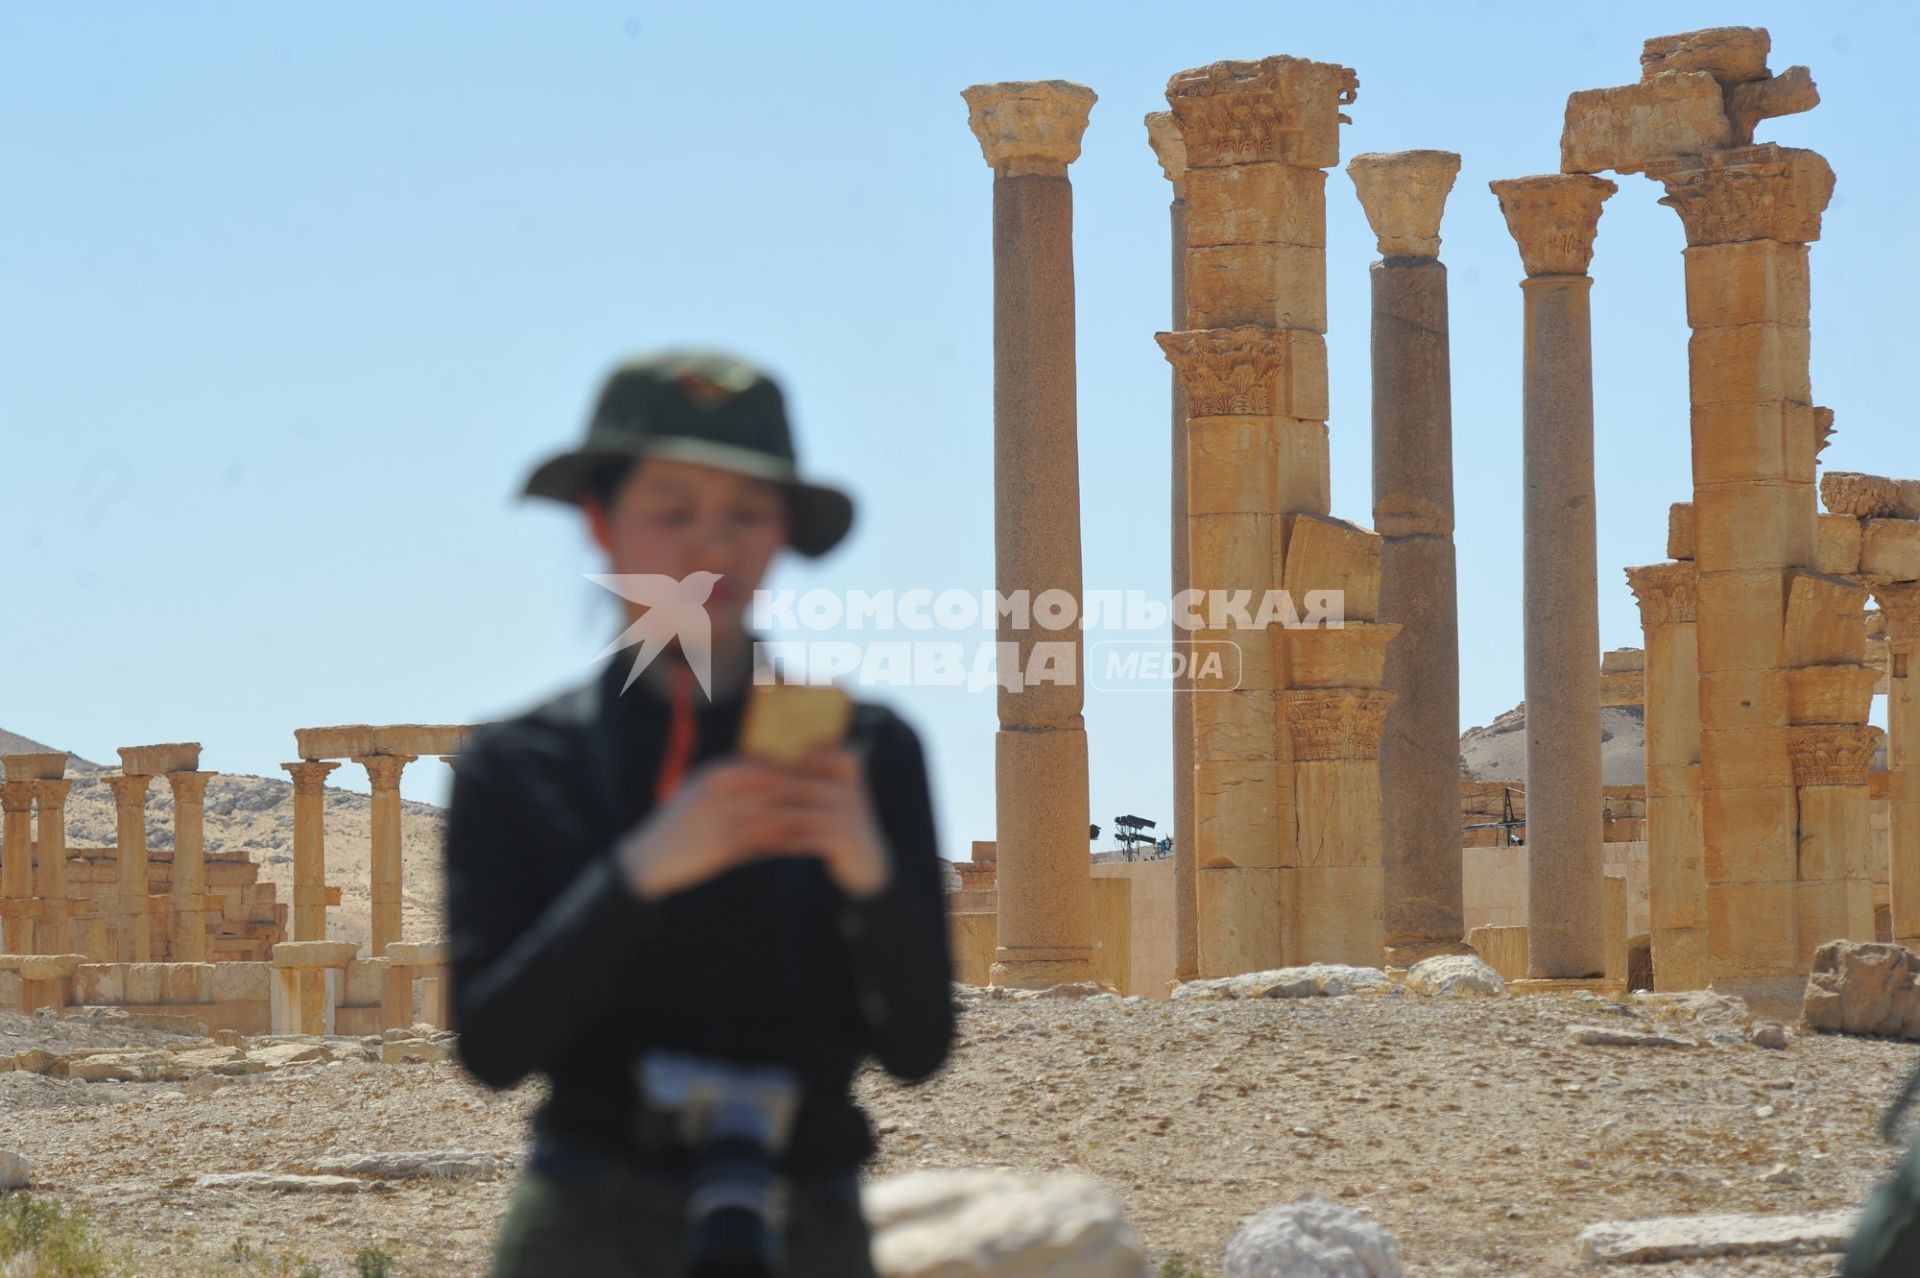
{"x": 735, "y": 811}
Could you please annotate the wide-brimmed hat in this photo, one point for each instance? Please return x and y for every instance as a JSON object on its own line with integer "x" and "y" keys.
{"x": 705, "y": 407}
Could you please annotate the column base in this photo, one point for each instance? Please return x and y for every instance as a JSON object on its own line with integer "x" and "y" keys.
{"x": 1033, "y": 974}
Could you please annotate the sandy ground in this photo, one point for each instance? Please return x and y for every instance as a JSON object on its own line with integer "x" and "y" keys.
{"x": 1473, "y": 1129}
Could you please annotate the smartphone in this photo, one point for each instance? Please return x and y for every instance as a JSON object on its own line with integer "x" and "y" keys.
{"x": 785, "y": 720}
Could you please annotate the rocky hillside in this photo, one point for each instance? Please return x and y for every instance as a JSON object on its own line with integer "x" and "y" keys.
{"x": 1498, "y": 752}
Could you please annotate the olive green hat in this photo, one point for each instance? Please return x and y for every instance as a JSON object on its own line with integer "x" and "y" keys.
{"x": 705, "y": 407}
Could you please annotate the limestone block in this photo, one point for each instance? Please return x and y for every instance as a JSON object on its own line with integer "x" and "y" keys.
{"x": 242, "y": 982}
{"x": 1304, "y": 482}
{"x": 1332, "y": 554}
{"x": 1742, "y": 622}
{"x": 990, "y": 1224}
{"x": 972, "y": 938}
{"x": 186, "y": 982}
{"x": 1840, "y": 538}
{"x": 35, "y": 766}
{"x": 1336, "y": 814}
{"x": 1832, "y": 910}
{"x": 151, "y": 760}
{"x": 1233, "y": 726}
{"x": 1237, "y": 813}
{"x": 145, "y": 983}
{"x": 1748, "y": 364}
{"x": 1239, "y": 915}
{"x": 1313, "y": 980}
{"x": 99, "y": 983}
{"x": 1354, "y": 656}
{"x": 1257, "y": 204}
{"x": 1826, "y": 620}
{"x": 1890, "y": 548}
{"x": 1736, "y": 699}
{"x": 1311, "y": 1239}
{"x": 1614, "y": 931}
{"x": 1846, "y": 492}
{"x": 1625, "y": 689}
{"x": 1504, "y": 949}
{"x": 1233, "y": 465}
{"x": 1338, "y": 913}
{"x": 415, "y": 1051}
{"x": 1751, "y": 930}
{"x": 314, "y": 953}
{"x": 1756, "y": 834}
{"x": 340, "y": 742}
{"x": 1276, "y": 286}
{"x": 1680, "y": 530}
{"x": 1695, "y": 1237}
{"x": 1731, "y": 55}
{"x": 1680, "y": 956}
{"x": 363, "y": 986}
{"x": 12, "y": 992}
{"x": 1454, "y": 975}
{"x": 1113, "y": 934}
{"x": 1830, "y": 694}
{"x": 1864, "y": 988}
{"x": 1748, "y": 526}
{"x": 1672, "y": 113}
{"x": 1748, "y": 282}
{"x": 428, "y": 953}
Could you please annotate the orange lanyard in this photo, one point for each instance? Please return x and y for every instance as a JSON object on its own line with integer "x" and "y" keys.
{"x": 680, "y": 734}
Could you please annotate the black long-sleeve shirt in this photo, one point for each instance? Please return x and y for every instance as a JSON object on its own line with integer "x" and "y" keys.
{"x": 559, "y": 968}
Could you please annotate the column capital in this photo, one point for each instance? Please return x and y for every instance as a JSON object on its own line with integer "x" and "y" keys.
{"x": 310, "y": 775}
{"x": 1279, "y": 110}
{"x": 1900, "y": 607}
{"x": 51, "y": 795}
{"x": 189, "y": 787}
{"x": 16, "y": 796}
{"x": 1227, "y": 372}
{"x": 129, "y": 790}
{"x": 1029, "y": 127}
{"x": 383, "y": 770}
{"x": 1404, "y": 194}
{"x": 1553, "y": 217}
{"x": 1337, "y": 723}
{"x": 1831, "y": 753}
{"x": 1765, "y": 192}
{"x": 1668, "y": 594}
{"x": 1163, "y": 135}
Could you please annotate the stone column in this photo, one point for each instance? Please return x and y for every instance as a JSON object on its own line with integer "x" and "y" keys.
{"x": 16, "y": 866}
{"x": 134, "y": 942}
{"x": 50, "y": 798}
{"x": 1830, "y": 764}
{"x": 1164, "y": 135}
{"x": 1749, "y": 213}
{"x": 189, "y": 865}
{"x": 1404, "y": 194}
{"x": 1030, "y": 132}
{"x": 383, "y": 774}
{"x": 1258, "y": 138}
{"x": 1676, "y": 869}
{"x": 309, "y": 848}
{"x": 1553, "y": 218}
{"x": 1900, "y": 603}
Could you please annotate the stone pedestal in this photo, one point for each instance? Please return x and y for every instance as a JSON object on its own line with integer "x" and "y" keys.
{"x": 383, "y": 774}
{"x": 1676, "y": 868}
{"x": 309, "y": 848}
{"x": 134, "y": 940}
{"x": 1404, "y": 194}
{"x": 308, "y": 977}
{"x": 1030, "y": 132}
{"x": 409, "y": 962}
{"x": 1749, "y": 213}
{"x": 1553, "y": 218}
{"x": 1164, "y": 134}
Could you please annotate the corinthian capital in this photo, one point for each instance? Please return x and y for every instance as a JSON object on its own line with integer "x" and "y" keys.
{"x": 1667, "y": 593}
{"x": 1832, "y": 754}
{"x": 1029, "y": 126}
{"x": 309, "y": 775}
{"x": 1553, "y": 218}
{"x": 189, "y": 787}
{"x": 383, "y": 770}
{"x": 1766, "y": 192}
{"x": 1404, "y": 194}
{"x": 1337, "y": 723}
{"x": 1279, "y": 110}
{"x": 1163, "y": 135}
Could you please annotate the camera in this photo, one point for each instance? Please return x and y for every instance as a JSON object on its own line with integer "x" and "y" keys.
{"x": 734, "y": 1120}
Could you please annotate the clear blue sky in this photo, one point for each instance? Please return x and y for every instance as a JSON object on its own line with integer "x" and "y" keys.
{"x": 291, "y": 296}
